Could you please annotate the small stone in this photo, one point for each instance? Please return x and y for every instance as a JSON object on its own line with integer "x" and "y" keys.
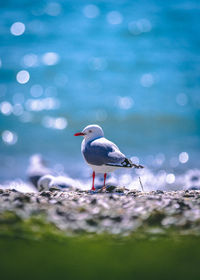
{"x": 53, "y": 189}
{"x": 13, "y": 190}
{"x": 92, "y": 222}
{"x": 94, "y": 201}
{"x": 188, "y": 195}
{"x": 22, "y": 198}
{"x": 5, "y": 194}
{"x": 117, "y": 219}
{"x": 159, "y": 192}
{"x": 120, "y": 190}
{"x": 46, "y": 194}
{"x": 60, "y": 212}
{"x": 110, "y": 188}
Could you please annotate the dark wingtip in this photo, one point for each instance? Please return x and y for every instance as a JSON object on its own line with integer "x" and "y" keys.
{"x": 138, "y": 166}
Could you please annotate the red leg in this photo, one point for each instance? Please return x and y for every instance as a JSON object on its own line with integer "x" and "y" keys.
{"x": 104, "y": 184}
{"x": 93, "y": 177}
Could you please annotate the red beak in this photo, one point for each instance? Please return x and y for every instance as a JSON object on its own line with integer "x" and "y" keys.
{"x": 79, "y": 134}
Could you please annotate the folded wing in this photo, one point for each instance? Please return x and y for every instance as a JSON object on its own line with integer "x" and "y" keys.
{"x": 102, "y": 152}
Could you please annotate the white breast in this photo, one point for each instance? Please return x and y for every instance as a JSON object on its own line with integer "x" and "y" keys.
{"x": 102, "y": 168}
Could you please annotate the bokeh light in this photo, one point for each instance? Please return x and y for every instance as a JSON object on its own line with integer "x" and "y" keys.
{"x": 17, "y": 28}
{"x": 53, "y": 9}
{"x": 50, "y": 58}
{"x": 48, "y": 103}
{"x": 6, "y": 108}
{"x": 140, "y": 26}
{"x": 36, "y": 90}
{"x": 55, "y": 123}
{"x": 30, "y": 60}
{"x": 114, "y": 17}
{"x": 147, "y": 80}
{"x": 125, "y": 102}
{"x": 91, "y": 11}
{"x": 159, "y": 159}
{"x": 170, "y": 178}
{"x": 23, "y": 76}
{"x": 183, "y": 157}
{"x": 9, "y": 137}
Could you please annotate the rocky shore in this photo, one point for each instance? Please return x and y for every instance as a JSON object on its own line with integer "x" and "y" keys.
{"x": 117, "y": 211}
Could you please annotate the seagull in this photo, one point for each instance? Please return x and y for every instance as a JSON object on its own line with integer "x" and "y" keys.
{"x": 37, "y": 168}
{"x": 62, "y": 182}
{"x": 100, "y": 154}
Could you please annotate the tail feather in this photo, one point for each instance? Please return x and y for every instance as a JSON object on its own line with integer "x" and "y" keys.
{"x": 127, "y": 163}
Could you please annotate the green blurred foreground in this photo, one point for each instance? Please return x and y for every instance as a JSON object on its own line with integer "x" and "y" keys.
{"x": 103, "y": 257}
{"x": 34, "y": 248}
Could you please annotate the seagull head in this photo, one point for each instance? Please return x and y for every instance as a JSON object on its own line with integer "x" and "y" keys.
{"x": 91, "y": 132}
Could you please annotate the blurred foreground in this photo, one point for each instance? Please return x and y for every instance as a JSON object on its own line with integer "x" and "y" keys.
{"x": 119, "y": 234}
{"x": 117, "y": 211}
{"x": 100, "y": 258}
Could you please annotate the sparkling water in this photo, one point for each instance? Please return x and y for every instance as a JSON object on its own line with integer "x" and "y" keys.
{"x": 130, "y": 66}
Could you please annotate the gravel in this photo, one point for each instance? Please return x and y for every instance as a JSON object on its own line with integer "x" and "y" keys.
{"x": 115, "y": 211}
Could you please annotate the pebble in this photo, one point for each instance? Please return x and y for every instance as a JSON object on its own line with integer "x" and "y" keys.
{"x": 115, "y": 211}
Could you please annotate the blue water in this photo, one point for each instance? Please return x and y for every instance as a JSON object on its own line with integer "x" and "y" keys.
{"x": 130, "y": 66}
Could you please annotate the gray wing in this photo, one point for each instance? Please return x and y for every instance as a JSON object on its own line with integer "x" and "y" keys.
{"x": 102, "y": 151}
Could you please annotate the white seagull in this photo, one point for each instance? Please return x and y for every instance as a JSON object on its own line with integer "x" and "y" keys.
{"x": 37, "y": 168}
{"x": 61, "y": 182}
{"x": 102, "y": 155}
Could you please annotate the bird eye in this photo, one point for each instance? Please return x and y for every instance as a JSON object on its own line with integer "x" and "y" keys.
{"x": 90, "y": 131}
